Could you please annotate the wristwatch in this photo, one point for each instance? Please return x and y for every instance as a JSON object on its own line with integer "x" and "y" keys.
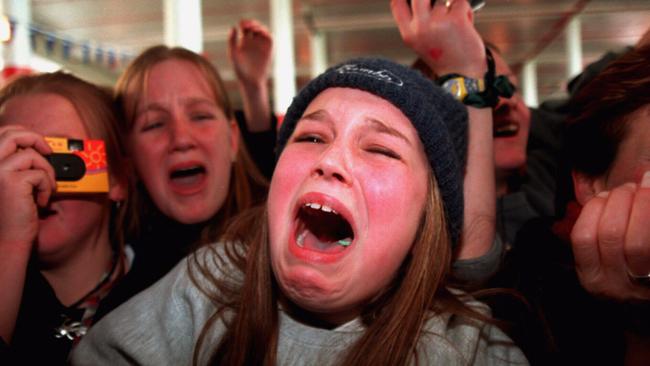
{"x": 479, "y": 93}
{"x": 460, "y": 87}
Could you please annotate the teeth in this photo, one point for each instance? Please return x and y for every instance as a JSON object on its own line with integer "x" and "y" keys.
{"x": 316, "y": 206}
{"x": 300, "y": 240}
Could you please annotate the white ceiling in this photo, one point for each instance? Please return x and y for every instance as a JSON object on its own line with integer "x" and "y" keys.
{"x": 522, "y": 29}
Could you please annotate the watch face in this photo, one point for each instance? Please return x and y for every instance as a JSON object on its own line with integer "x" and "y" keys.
{"x": 456, "y": 87}
{"x": 471, "y": 85}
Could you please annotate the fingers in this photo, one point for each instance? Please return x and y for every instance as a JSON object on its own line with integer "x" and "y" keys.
{"x": 637, "y": 248}
{"x": 28, "y": 159}
{"x": 459, "y": 8}
{"x": 611, "y": 238}
{"x": 26, "y": 181}
{"x": 584, "y": 237}
{"x": 422, "y": 8}
{"x": 401, "y": 13}
{"x": 232, "y": 43}
{"x": 612, "y": 227}
{"x": 21, "y": 149}
{"x": 20, "y": 193}
{"x": 14, "y": 137}
{"x": 42, "y": 185}
{"x": 232, "y": 37}
{"x": 251, "y": 29}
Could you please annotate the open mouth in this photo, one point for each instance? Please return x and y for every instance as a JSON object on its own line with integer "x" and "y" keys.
{"x": 187, "y": 176}
{"x": 322, "y": 229}
{"x": 507, "y": 129}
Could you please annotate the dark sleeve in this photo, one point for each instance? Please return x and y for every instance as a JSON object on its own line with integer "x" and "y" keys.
{"x": 260, "y": 145}
{"x": 543, "y": 161}
{"x": 4, "y": 352}
{"x": 637, "y": 318}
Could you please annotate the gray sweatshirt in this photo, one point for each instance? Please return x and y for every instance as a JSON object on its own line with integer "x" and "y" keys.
{"x": 160, "y": 326}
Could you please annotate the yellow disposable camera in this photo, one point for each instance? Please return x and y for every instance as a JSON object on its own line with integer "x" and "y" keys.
{"x": 79, "y": 165}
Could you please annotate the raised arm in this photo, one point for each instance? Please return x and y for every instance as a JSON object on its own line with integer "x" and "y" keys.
{"x": 445, "y": 38}
{"x": 250, "y": 49}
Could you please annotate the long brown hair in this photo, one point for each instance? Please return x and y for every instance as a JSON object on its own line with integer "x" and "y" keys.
{"x": 247, "y": 185}
{"x": 95, "y": 108}
{"x": 394, "y": 321}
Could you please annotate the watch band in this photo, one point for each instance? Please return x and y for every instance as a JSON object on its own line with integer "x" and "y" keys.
{"x": 462, "y": 87}
{"x": 479, "y": 93}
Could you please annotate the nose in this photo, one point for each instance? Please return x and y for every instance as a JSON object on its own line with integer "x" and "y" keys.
{"x": 334, "y": 165}
{"x": 181, "y": 134}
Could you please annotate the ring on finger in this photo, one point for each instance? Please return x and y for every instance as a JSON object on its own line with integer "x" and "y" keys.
{"x": 643, "y": 280}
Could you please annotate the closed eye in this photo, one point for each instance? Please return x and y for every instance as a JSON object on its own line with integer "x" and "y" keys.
{"x": 384, "y": 151}
{"x": 314, "y": 139}
{"x": 151, "y": 126}
{"x": 202, "y": 116}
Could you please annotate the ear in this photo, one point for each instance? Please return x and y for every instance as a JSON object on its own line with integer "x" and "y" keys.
{"x": 586, "y": 187}
{"x": 234, "y": 140}
{"x": 118, "y": 184}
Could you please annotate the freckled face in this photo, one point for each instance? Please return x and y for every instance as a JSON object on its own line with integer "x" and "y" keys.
{"x": 353, "y": 172}
{"x": 182, "y": 144}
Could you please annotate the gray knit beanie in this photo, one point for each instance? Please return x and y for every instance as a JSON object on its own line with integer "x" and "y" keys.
{"x": 441, "y": 121}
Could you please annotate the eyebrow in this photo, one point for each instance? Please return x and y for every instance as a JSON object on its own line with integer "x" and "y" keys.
{"x": 319, "y": 115}
{"x": 373, "y": 123}
{"x": 149, "y": 107}
{"x": 155, "y": 106}
{"x": 381, "y": 127}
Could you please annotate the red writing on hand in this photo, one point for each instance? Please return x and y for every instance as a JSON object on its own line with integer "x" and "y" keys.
{"x": 435, "y": 53}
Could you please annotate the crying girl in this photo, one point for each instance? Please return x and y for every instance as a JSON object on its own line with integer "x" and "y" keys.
{"x": 347, "y": 262}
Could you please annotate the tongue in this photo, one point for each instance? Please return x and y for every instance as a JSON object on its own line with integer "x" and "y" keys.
{"x": 187, "y": 179}
{"x": 306, "y": 239}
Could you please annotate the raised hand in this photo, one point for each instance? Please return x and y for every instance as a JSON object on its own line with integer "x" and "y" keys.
{"x": 26, "y": 183}
{"x": 611, "y": 240}
{"x": 250, "y": 47}
{"x": 443, "y": 35}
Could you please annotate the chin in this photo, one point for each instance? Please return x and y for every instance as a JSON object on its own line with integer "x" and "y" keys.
{"x": 190, "y": 218}
{"x": 510, "y": 162}
{"x": 509, "y": 167}
{"x": 306, "y": 286}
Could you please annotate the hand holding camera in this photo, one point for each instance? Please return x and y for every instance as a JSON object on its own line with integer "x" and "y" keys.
{"x": 26, "y": 183}
{"x": 33, "y": 168}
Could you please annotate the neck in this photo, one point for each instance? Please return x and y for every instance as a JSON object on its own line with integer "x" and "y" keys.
{"x": 504, "y": 179}
{"x": 81, "y": 270}
{"x": 314, "y": 320}
{"x": 501, "y": 188}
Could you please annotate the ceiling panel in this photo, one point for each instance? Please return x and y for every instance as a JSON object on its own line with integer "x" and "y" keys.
{"x": 522, "y": 29}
